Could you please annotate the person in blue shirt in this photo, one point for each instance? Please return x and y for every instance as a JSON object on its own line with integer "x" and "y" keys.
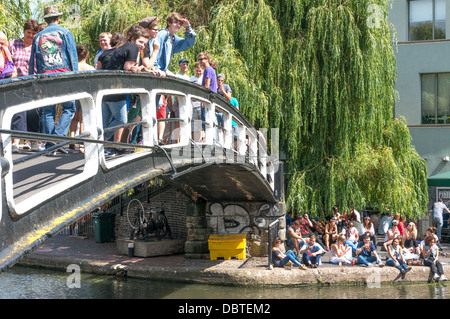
{"x": 367, "y": 253}
{"x": 234, "y": 125}
{"x": 54, "y": 51}
{"x": 170, "y": 43}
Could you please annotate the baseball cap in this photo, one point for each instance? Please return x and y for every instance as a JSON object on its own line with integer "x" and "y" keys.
{"x": 183, "y": 60}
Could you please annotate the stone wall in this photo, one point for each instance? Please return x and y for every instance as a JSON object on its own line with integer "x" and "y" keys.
{"x": 196, "y": 221}
{"x": 246, "y": 217}
{"x": 174, "y": 204}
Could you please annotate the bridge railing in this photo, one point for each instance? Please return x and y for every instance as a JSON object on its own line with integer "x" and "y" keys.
{"x": 90, "y": 88}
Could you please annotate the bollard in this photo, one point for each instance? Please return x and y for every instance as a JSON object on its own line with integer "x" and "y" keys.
{"x": 131, "y": 250}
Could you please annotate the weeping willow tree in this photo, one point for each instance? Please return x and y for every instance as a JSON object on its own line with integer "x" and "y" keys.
{"x": 323, "y": 71}
{"x": 346, "y": 149}
{"x": 13, "y": 14}
{"x": 326, "y": 72}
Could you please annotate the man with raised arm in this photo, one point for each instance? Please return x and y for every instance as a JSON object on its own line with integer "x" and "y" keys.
{"x": 170, "y": 43}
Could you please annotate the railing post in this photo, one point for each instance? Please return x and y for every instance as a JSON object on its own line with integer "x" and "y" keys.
{"x": 210, "y": 117}
{"x": 185, "y": 124}
{"x": 262, "y": 151}
{"x": 228, "y": 133}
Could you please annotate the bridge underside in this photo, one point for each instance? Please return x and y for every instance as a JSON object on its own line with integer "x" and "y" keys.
{"x": 223, "y": 182}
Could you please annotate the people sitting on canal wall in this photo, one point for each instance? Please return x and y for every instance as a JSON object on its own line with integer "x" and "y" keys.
{"x": 280, "y": 259}
{"x": 341, "y": 253}
{"x": 352, "y": 236}
{"x": 410, "y": 238}
{"x": 368, "y": 228}
{"x": 331, "y": 233}
{"x": 392, "y": 233}
{"x": 289, "y": 219}
{"x": 430, "y": 253}
{"x": 319, "y": 232}
{"x": 305, "y": 225}
{"x": 311, "y": 253}
{"x": 294, "y": 237}
{"x": 396, "y": 257}
{"x": 384, "y": 223}
{"x": 401, "y": 224}
{"x": 374, "y": 218}
{"x": 366, "y": 252}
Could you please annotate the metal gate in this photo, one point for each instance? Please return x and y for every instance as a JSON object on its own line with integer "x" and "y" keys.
{"x": 272, "y": 234}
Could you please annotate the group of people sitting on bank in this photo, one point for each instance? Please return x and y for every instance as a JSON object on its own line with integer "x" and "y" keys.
{"x": 351, "y": 243}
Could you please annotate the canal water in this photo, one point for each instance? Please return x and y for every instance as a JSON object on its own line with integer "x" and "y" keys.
{"x": 32, "y": 283}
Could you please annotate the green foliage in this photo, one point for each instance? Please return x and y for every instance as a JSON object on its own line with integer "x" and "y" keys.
{"x": 347, "y": 149}
{"x": 13, "y": 14}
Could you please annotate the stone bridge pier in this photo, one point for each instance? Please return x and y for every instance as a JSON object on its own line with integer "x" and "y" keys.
{"x": 192, "y": 221}
{"x": 205, "y": 218}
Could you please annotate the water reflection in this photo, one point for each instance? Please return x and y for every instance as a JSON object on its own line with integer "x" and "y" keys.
{"x": 32, "y": 283}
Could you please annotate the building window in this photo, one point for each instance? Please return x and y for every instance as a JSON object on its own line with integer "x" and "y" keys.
{"x": 426, "y": 20}
{"x": 435, "y": 98}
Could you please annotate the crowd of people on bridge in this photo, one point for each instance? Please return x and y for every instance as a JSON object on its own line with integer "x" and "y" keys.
{"x": 145, "y": 47}
{"x": 351, "y": 239}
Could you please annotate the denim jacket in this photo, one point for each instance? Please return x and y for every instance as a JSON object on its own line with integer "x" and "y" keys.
{"x": 53, "y": 48}
{"x": 168, "y": 45}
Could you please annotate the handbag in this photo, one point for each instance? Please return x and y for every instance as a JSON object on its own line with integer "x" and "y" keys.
{"x": 8, "y": 70}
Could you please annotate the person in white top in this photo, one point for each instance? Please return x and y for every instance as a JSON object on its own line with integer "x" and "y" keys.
{"x": 368, "y": 228}
{"x": 341, "y": 252}
{"x": 384, "y": 223}
{"x": 198, "y": 72}
{"x": 183, "y": 66}
{"x": 352, "y": 236}
{"x": 198, "y": 109}
{"x": 438, "y": 216}
{"x": 396, "y": 258}
{"x": 355, "y": 213}
{"x": 391, "y": 234}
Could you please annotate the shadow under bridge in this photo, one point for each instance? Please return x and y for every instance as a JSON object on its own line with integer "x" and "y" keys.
{"x": 203, "y": 157}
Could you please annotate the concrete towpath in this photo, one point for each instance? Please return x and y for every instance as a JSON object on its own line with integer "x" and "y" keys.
{"x": 103, "y": 258}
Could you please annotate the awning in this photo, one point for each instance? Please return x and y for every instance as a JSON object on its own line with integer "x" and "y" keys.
{"x": 442, "y": 179}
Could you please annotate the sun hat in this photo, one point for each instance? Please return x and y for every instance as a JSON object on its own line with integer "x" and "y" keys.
{"x": 51, "y": 11}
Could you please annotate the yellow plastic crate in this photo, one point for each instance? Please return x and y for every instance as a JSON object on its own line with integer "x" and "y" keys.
{"x": 227, "y": 246}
